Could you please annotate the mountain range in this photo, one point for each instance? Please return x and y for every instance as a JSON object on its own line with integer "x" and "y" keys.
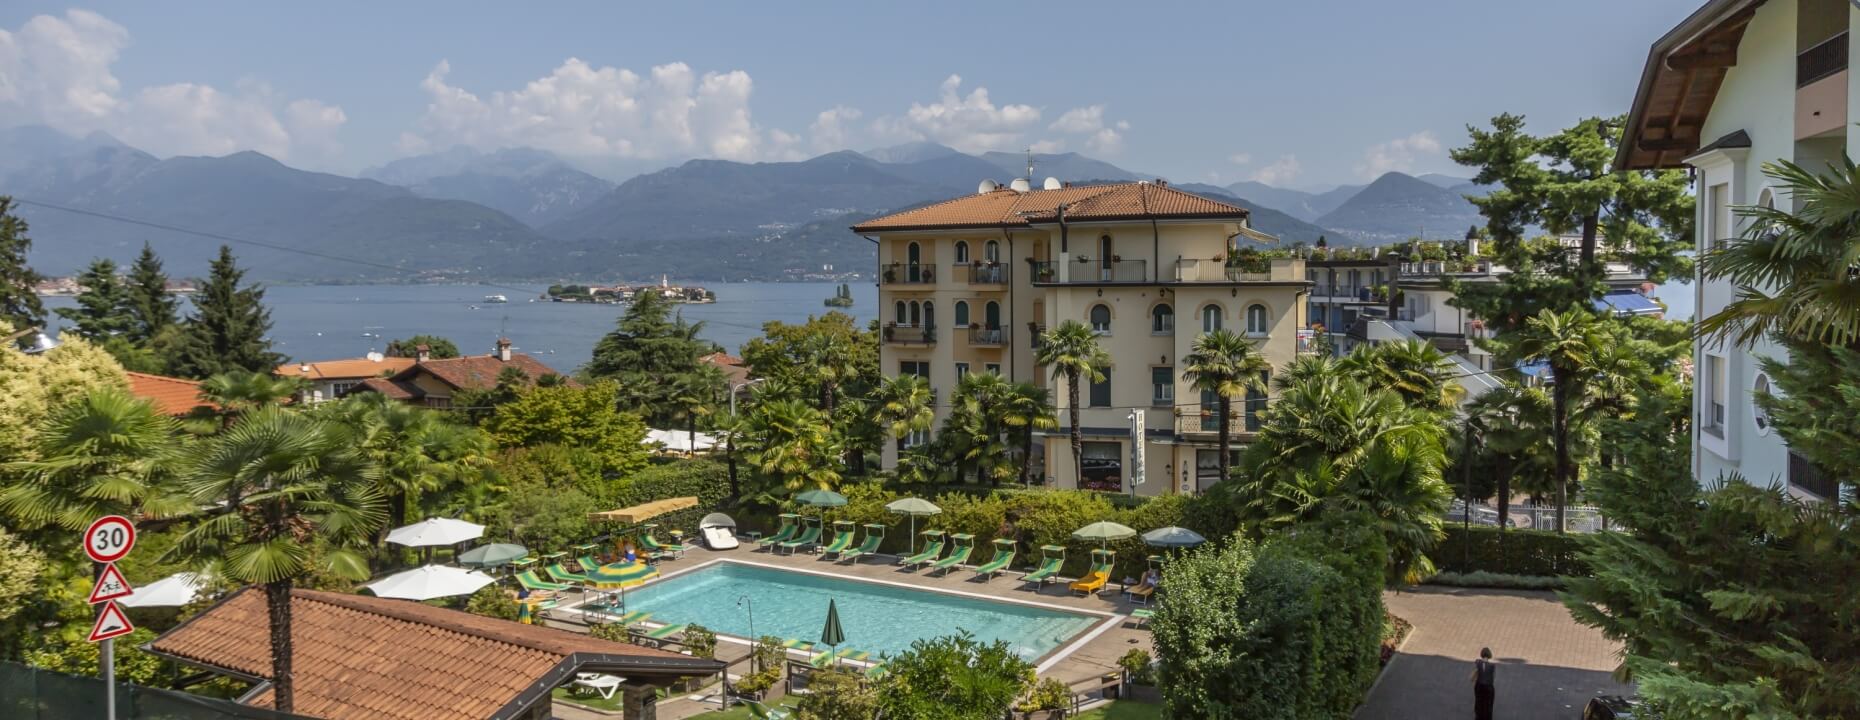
{"x": 525, "y": 214}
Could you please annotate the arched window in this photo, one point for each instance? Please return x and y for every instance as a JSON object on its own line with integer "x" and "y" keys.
{"x": 913, "y": 254}
{"x": 1255, "y": 319}
{"x": 929, "y": 314}
{"x": 1100, "y": 319}
{"x": 917, "y": 313}
{"x": 962, "y": 251}
{"x": 902, "y": 318}
{"x": 1162, "y": 320}
{"x": 1210, "y": 318}
{"x": 992, "y": 252}
{"x": 991, "y": 313}
{"x": 962, "y": 313}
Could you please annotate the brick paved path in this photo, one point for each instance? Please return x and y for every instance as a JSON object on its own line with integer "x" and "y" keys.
{"x": 1548, "y": 665}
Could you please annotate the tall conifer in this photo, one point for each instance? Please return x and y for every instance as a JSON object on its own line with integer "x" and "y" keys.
{"x": 150, "y": 307}
{"x": 227, "y": 328}
{"x": 102, "y": 308}
{"x": 19, "y": 301}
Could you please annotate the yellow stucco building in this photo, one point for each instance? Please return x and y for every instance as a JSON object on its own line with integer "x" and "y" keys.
{"x": 967, "y": 285}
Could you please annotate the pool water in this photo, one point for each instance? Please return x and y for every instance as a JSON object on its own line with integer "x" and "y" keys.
{"x": 879, "y": 619}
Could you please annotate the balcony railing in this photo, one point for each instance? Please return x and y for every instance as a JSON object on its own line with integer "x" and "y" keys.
{"x": 1822, "y": 60}
{"x": 989, "y": 336}
{"x": 982, "y": 273}
{"x": 1209, "y": 422}
{"x": 910, "y": 334}
{"x": 1804, "y": 476}
{"x": 1361, "y": 293}
{"x": 908, "y": 274}
{"x": 1093, "y": 272}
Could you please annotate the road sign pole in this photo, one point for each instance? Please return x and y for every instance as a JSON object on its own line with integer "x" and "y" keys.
{"x": 109, "y": 679}
{"x": 106, "y": 541}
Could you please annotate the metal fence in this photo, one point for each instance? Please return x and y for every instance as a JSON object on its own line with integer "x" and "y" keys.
{"x": 28, "y": 693}
{"x": 1527, "y": 516}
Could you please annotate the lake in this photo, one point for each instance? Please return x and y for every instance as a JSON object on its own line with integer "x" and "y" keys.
{"x": 324, "y": 322}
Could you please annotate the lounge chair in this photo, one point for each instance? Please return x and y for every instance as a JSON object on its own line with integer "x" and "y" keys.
{"x": 1100, "y": 573}
{"x": 929, "y": 555}
{"x": 653, "y": 548}
{"x": 764, "y": 712}
{"x": 1054, "y": 557}
{"x": 842, "y": 539}
{"x": 1004, "y": 554}
{"x": 529, "y": 581}
{"x": 558, "y": 572}
{"x": 1141, "y": 593}
{"x": 869, "y": 547}
{"x": 788, "y": 528}
{"x": 965, "y": 546}
{"x": 664, "y": 632}
{"x": 876, "y": 671}
{"x": 810, "y": 536}
{"x": 1141, "y": 617}
{"x": 634, "y": 616}
{"x": 826, "y": 659}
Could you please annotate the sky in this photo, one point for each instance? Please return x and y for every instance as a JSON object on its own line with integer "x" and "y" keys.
{"x": 1294, "y": 94}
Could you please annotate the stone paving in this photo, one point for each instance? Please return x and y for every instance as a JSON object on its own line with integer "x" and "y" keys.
{"x": 1074, "y": 662}
{"x": 1548, "y": 666}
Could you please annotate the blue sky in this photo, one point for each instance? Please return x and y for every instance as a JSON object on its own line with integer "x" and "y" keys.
{"x": 1298, "y": 94}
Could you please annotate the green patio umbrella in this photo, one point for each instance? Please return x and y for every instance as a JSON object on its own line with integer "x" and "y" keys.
{"x": 1104, "y": 531}
{"x": 832, "y": 634}
{"x": 1173, "y": 537}
{"x": 492, "y": 555}
{"x": 821, "y": 498}
{"x": 914, "y": 507}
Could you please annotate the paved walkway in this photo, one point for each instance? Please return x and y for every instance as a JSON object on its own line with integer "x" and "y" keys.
{"x": 1548, "y": 666}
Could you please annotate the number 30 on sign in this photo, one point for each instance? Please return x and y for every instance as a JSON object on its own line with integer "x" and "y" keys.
{"x": 109, "y": 538}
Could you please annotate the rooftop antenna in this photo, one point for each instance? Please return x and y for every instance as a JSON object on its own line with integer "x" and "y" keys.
{"x": 1030, "y": 161}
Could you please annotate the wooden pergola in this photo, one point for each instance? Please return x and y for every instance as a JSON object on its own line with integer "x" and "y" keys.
{"x": 640, "y": 513}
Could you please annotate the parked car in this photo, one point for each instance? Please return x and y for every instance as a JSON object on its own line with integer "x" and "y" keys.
{"x": 1615, "y": 707}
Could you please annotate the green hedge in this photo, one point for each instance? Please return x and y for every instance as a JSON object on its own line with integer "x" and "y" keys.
{"x": 1511, "y": 552}
{"x": 706, "y": 480}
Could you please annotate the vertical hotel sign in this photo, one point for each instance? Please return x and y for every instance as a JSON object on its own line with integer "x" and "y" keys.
{"x": 1138, "y": 441}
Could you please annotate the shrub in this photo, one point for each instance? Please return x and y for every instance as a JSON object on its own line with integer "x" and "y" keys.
{"x": 769, "y": 653}
{"x": 492, "y": 601}
{"x": 758, "y": 682}
{"x": 700, "y": 641}
{"x": 1511, "y": 552}
{"x": 1483, "y": 579}
{"x": 837, "y": 695}
{"x": 615, "y": 632}
{"x": 1136, "y": 664}
{"x": 953, "y": 678}
{"x": 1049, "y": 694}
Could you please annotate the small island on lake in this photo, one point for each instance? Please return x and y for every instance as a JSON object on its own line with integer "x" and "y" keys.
{"x": 611, "y": 294}
{"x": 842, "y": 297}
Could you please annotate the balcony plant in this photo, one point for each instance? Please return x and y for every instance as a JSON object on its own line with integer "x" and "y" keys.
{"x": 1249, "y": 260}
{"x": 1045, "y": 271}
{"x": 891, "y": 274}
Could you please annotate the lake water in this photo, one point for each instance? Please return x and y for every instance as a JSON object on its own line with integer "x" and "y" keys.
{"x": 322, "y": 322}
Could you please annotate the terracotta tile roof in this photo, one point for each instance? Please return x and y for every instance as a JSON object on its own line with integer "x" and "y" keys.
{"x": 1007, "y": 208}
{"x": 170, "y": 396}
{"x": 365, "y": 657}
{"x": 721, "y": 359}
{"x": 732, "y": 367}
{"x": 347, "y": 369}
{"x": 389, "y": 387}
{"x": 479, "y": 372}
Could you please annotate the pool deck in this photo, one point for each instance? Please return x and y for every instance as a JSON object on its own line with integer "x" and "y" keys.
{"x": 1093, "y": 654}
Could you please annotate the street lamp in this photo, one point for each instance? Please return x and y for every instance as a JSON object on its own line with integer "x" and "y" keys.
{"x": 744, "y": 601}
{"x": 729, "y": 438}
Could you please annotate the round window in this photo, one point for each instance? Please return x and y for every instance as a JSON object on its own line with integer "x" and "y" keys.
{"x": 1759, "y": 415}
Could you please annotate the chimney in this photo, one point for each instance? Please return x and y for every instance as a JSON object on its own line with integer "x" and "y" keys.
{"x": 503, "y": 349}
{"x": 422, "y": 352}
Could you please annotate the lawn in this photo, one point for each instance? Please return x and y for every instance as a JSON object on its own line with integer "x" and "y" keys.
{"x": 1124, "y": 710}
{"x": 741, "y": 712}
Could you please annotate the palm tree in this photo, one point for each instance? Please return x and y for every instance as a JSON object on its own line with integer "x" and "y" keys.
{"x": 240, "y": 391}
{"x": 692, "y": 396}
{"x": 1415, "y": 369}
{"x": 418, "y": 451}
{"x": 1797, "y": 272}
{"x": 794, "y": 443}
{"x": 975, "y": 425}
{"x": 1027, "y": 408}
{"x": 1511, "y": 421}
{"x": 1223, "y": 363}
{"x": 1306, "y": 367}
{"x": 1071, "y": 350}
{"x": 107, "y": 453}
{"x": 903, "y": 405}
{"x": 1565, "y": 341}
{"x": 296, "y": 479}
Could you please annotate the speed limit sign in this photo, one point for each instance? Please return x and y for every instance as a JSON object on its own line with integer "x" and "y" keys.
{"x": 109, "y": 538}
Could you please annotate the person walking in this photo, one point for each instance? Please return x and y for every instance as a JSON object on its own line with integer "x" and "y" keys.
{"x": 1483, "y": 689}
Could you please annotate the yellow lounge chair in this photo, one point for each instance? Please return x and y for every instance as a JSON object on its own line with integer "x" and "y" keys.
{"x": 1091, "y": 583}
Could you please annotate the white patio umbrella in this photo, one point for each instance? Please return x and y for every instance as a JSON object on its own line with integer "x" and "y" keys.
{"x": 435, "y": 532}
{"x": 429, "y": 581}
{"x": 172, "y": 591}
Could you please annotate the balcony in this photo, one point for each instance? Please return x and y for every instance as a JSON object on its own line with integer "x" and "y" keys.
{"x": 1821, "y": 61}
{"x": 1343, "y": 293}
{"x": 1821, "y": 88}
{"x": 982, "y": 273}
{"x": 896, "y": 334}
{"x": 1192, "y": 270}
{"x": 986, "y": 336}
{"x": 907, "y": 274}
{"x": 1205, "y": 425}
{"x": 1805, "y": 477}
{"x": 1091, "y": 272}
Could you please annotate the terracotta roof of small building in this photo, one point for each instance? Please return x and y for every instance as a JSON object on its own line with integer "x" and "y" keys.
{"x": 170, "y": 396}
{"x": 479, "y": 372}
{"x": 732, "y": 367}
{"x": 345, "y": 369}
{"x": 395, "y": 390}
{"x": 1008, "y": 208}
{"x": 366, "y": 657}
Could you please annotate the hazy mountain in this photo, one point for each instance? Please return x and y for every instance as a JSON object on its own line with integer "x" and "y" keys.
{"x": 1444, "y": 181}
{"x": 1301, "y": 204}
{"x": 1268, "y": 219}
{"x": 1398, "y": 206}
{"x": 530, "y": 185}
{"x": 250, "y": 197}
{"x": 1065, "y": 166}
{"x": 911, "y": 152}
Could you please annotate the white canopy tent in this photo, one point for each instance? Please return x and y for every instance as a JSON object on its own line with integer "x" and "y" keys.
{"x": 681, "y": 441}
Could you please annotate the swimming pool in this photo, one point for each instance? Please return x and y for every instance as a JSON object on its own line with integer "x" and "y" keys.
{"x": 877, "y": 618}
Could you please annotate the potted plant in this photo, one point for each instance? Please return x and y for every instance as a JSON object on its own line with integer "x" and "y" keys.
{"x": 1046, "y": 271}
{"x": 891, "y": 274}
{"x": 1047, "y": 701}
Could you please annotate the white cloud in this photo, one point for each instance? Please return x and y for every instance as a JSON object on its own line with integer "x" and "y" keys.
{"x": 1397, "y": 155}
{"x": 586, "y": 111}
{"x": 1089, "y": 121}
{"x": 833, "y": 128}
{"x": 56, "y": 71}
{"x": 1240, "y": 158}
{"x": 1279, "y": 172}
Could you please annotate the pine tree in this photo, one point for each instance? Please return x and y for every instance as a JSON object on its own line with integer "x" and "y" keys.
{"x": 648, "y": 351}
{"x": 227, "y": 328}
{"x": 102, "y": 308}
{"x": 151, "y": 308}
{"x": 19, "y": 301}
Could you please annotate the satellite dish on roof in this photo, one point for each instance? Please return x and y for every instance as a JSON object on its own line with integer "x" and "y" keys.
{"x": 1052, "y": 183}
{"x": 375, "y": 356}
{"x": 1021, "y": 185}
{"x": 986, "y": 187}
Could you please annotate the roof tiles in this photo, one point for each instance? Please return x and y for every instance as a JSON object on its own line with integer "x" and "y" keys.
{"x": 1007, "y": 208}
{"x": 170, "y": 396}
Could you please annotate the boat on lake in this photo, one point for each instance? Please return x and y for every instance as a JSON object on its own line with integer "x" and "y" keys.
{"x": 496, "y": 299}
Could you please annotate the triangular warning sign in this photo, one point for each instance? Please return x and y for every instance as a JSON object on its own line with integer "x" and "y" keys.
{"x": 110, "y": 585}
{"x": 111, "y": 623}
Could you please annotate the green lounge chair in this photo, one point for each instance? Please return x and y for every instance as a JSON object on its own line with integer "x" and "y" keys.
{"x": 810, "y": 536}
{"x": 806, "y": 648}
{"x": 1141, "y": 617}
{"x": 558, "y": 572}
{"x": 789, "y": 526}
{"x": 842, "y": 539}
{"x": 529, "y": 581}
{"x": 826, "y": 659}
{"x": 652, "y": 546}
{"x": 876, "y": 672}
{"x": 931, "y": 550}
{"x": 1053, "y": 556}
{"x": 763, "y": 712}
{"x": 665, "y": 631}
{"x": 1004, "y": 554}
{"x": 634, "y": 616}
{"x": 874, "y": 534}
{"x": 965, "y": 546}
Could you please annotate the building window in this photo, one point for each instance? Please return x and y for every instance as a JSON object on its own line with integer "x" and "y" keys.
{"x": 1101, "y": 319}
{"x": 1210, "y": 411}
{"x": 991, "y": 315}
{"x": 1715, "y": 387}
{"x": 994, "y": 368}
{"x": 992, "y": 252}
{"x": 915, "y": 367}
{"x": 1256, "y": 319}
{"x": 1103, "y": 466}
{"x": 913, "y": 439}
{"x": 1256, "y": 404}
{"x": 917, "y": 314}
{"x": 1162, "y": 386}
{"x": 1210, "y": 318}
{"x": 1759, "y": 415}
{"x": 962, "y": 251}
{"x": 1804, "y": 476}
{"x": 1162, "y": 320}
{"x": 962, "y": 313}
{"x": 902, "y": 318}
{"x": 1101, "y": 392}
{"x": 1718, "y": 203}
{"x": 962, "y": 371}
{"x": 929, "y": 314}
